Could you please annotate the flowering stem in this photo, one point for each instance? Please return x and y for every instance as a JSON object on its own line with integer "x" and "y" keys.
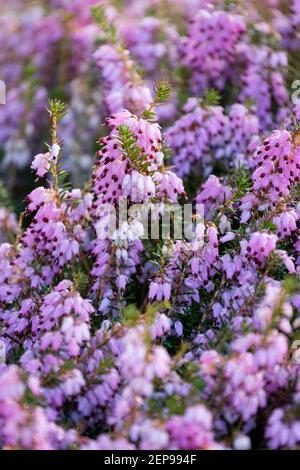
{"x": 56, "y": 111}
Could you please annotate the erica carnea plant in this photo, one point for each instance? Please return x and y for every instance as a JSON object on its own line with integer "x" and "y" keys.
{"x": 112, "y": 337}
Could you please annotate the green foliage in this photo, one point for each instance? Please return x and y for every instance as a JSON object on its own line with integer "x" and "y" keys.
{"x": 10, "y": 200}
{"x": 15, "y": 355}
{"x": 167, "y": 152}
{"x": 131, "y": 315}
{"x": 190, "y": 373}
{"x": 162, "y": 90}
{"x": 173, "y": 404}
{"x": 229, "y": 4}
{"x": 249, "y": 103}
{"x": 81, "y": 281}
{"x": 176, "y": 405}
{"x": 62, "y": 184}
{"x": 30, "y": 399}
{"x": 268, "y": 225}
{"x": 224, "y": 336}
{"x": 131, "y": 150}
{"x": 240, "y": 180}
{"x": 243, "y": 183}
{"x": 106, "y": 364}
{"x": 67, "y": 366}
{"x": 98, "y": 13}
{"x": 57, "y": 92}
{"x": 56, "y": 109}
{"x": 211, "y": 97}
{"x": 182, "y": 77}
{"x": 29, "y": 71}
{"x": 4, "y": 197}
{"x": 276, "y": 268}
{"x": 149, "y": 115}
{"x": 290, "y": 285}
{"x": 155, "y": 308}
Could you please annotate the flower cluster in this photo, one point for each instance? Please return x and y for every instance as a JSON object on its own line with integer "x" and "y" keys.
{"x": 210, "y": 48}
{"x": 204, "y": 135}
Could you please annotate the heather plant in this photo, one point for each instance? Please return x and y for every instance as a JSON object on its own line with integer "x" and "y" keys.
{"x": 157, "y": 42}
{"x": 113, "y": 338}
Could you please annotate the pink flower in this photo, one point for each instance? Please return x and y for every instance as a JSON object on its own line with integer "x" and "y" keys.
{"x": 41, "y": 164}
